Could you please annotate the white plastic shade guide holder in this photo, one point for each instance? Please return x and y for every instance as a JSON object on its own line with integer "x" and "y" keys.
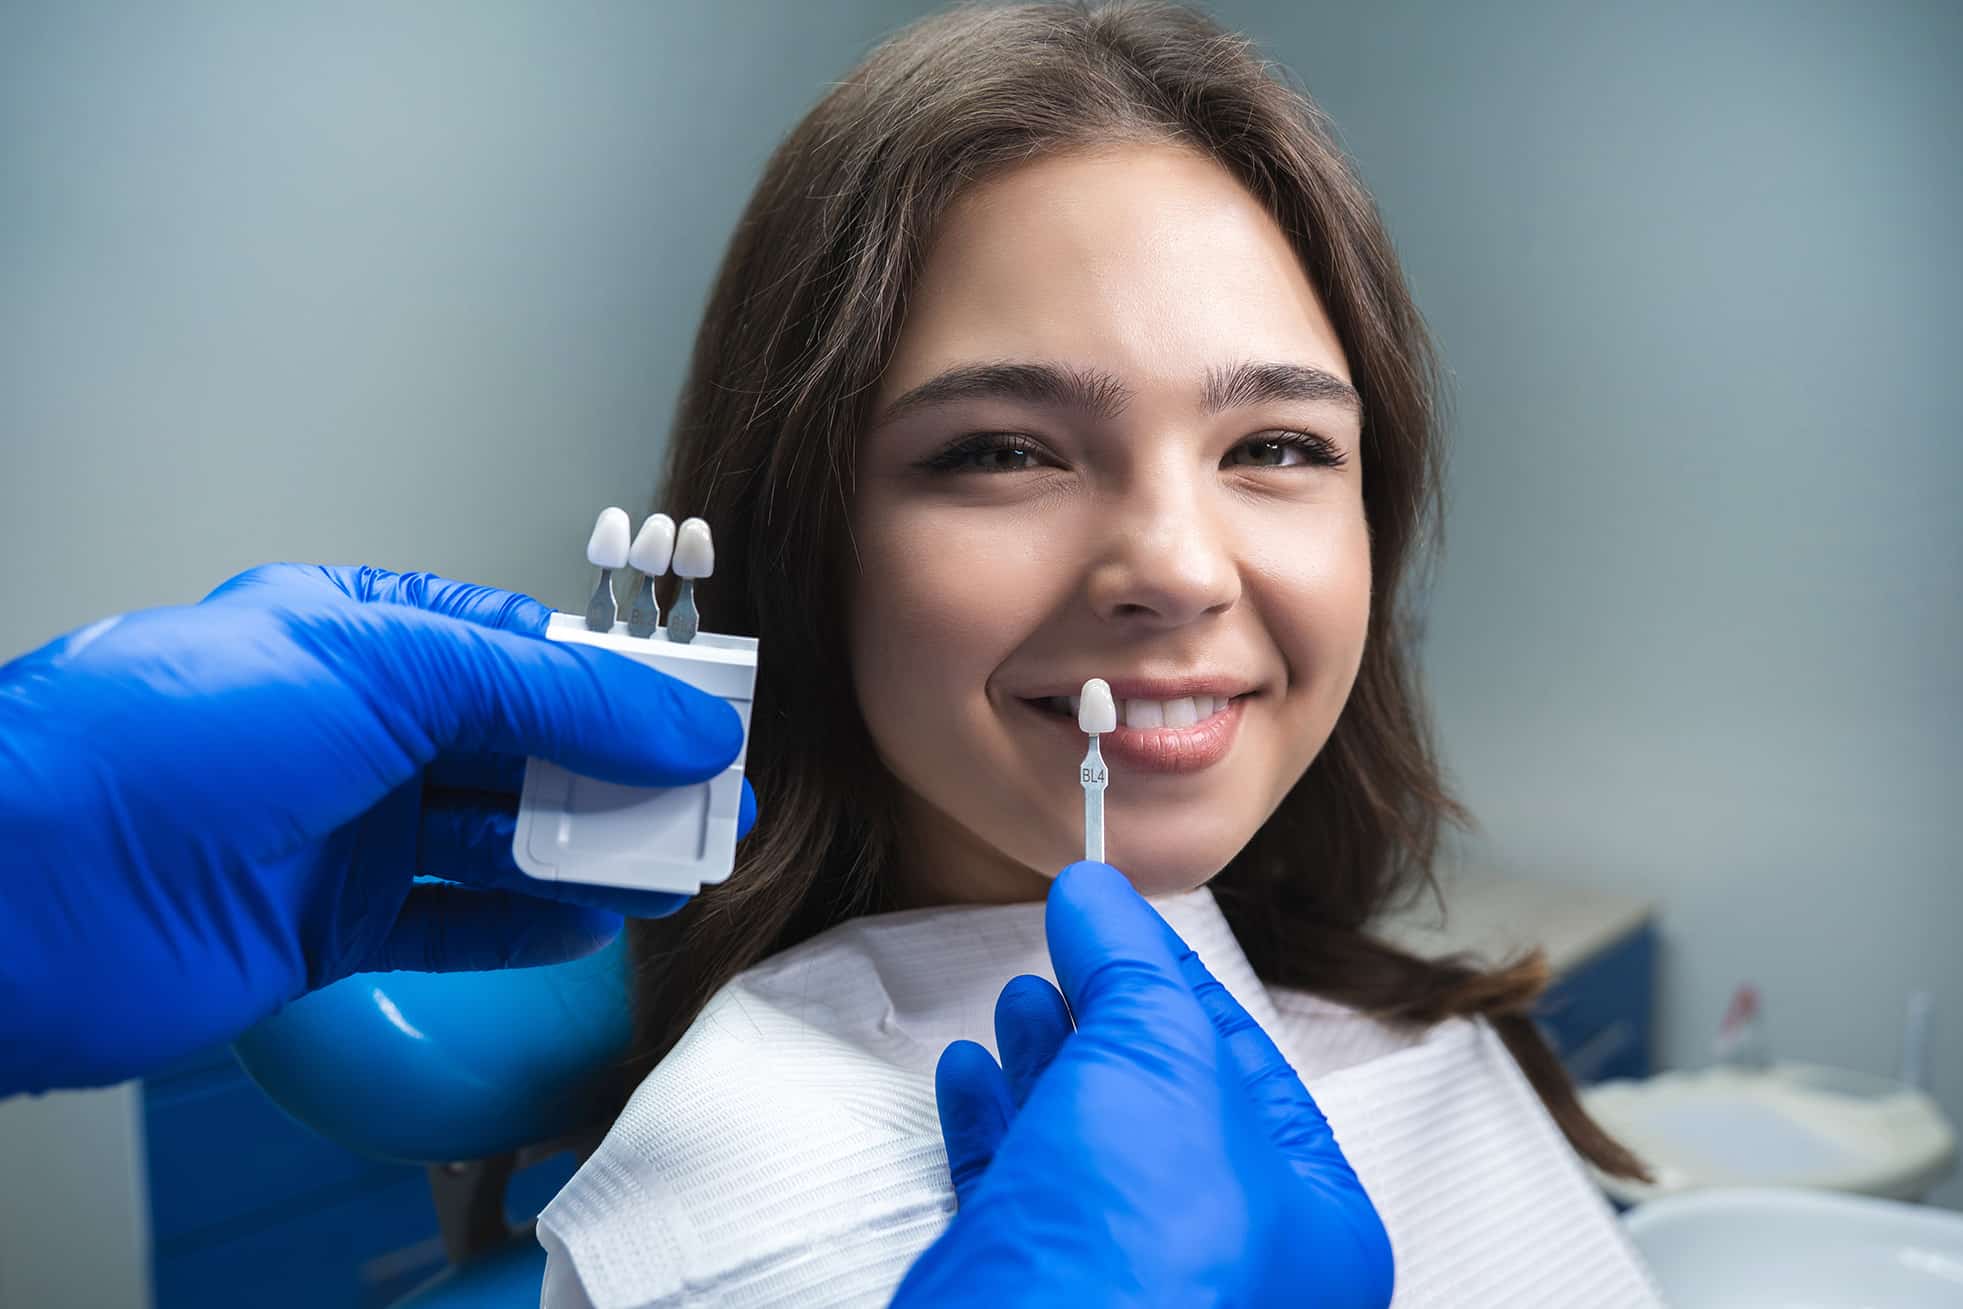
{"x": 677, "y": 839}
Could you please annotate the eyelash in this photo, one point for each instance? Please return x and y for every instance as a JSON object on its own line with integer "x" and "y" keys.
{"x": 1318, "y": 451}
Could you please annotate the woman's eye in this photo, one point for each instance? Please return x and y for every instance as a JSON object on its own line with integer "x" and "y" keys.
{"x": 1267, "y": 454}
{"x": 988, "y": 452}
{"x": 1287, "y": 449}
{"x": 1001, "y": 459}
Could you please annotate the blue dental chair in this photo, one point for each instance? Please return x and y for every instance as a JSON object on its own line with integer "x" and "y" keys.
{"x": 474, "y": 1076}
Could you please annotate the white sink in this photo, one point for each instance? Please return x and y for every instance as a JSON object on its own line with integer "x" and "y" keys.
{"x": 1791, "y": 1249}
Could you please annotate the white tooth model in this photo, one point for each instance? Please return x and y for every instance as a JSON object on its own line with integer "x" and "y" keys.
{"x": 1097, "y": 712}
{"x": 606, "y": 550}
{"x": 675, "y": 839}
{"x": 654, "y": 546}
{"x": 695, "y": 556}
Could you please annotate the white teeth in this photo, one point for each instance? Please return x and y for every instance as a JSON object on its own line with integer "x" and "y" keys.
{"x": 1182, "y": 712}
{"x": 654, "y": 545}
{"x": 695, "y": 552}
{"x": 607, "y": 547}
{"x": 1096, "y": 710}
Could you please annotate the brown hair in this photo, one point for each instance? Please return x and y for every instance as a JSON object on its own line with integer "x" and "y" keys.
{"x": 800, "y": 325}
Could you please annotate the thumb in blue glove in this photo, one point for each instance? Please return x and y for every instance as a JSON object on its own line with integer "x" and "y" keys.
{"x": 1158, "y": 1151}
{"x": 210, "y": 810}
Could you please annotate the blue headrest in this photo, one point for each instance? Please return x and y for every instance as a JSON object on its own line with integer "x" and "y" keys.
{"x": 435, "y": 1067}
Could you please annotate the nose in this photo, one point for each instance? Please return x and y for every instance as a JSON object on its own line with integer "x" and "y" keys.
{"x": 1165, "y": 555}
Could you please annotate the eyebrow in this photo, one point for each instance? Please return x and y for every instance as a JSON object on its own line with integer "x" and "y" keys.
{"x": 1052, "y": 386}
{"x": 1253, "y": 384}
{"x": 1098, "y": 394}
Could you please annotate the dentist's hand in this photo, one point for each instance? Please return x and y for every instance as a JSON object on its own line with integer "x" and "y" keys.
{"x": 207, "y": 811}
{"x": 1161, "y": 1153}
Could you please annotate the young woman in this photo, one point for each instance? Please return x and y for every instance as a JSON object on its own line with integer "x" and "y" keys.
{"x": 1061, "y": 343}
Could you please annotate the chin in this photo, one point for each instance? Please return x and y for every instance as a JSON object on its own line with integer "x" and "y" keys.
{"x": 1165, "y": 872}
{"x": 1176, "y": 849}
{"x": 1163, "y": 854}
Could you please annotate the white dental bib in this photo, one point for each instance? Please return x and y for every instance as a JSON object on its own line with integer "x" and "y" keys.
{"x": 787, "y": 1151}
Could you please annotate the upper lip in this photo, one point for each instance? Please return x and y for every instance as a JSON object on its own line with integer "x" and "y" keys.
{"x": 1155, "y": 688}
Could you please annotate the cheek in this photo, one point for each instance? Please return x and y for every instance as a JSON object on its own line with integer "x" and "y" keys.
{"x": 1313, "y": 586}
{"x": 936, "y": 607}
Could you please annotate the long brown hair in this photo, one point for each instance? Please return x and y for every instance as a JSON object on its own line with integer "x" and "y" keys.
{"x": 799, "y": 328}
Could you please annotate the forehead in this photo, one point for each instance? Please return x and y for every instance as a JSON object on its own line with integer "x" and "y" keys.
{"x": 1148, "y": 261}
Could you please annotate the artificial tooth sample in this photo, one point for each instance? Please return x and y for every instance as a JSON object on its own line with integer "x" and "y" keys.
{"x": 695, "y": 556}
{"x": 1096, "y": 713}
{"x": 606, "y": 550}
{"x": 654, "y": 546}
{"x": 1095, "y": 709}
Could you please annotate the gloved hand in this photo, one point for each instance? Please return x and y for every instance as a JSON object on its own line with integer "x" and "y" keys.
{"x": 1162, "y": 1153}
{"x": 207, "y": 811}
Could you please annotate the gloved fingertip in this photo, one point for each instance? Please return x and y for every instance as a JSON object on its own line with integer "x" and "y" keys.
{"x": 1026, "y": 992}
{"x": 592, "y": 711}
{"x": 719, "y": 727}
{"x": 1031, "y": 1024}
{"x": 1086, "y": 876}
{"x": 682, "y": 734}
{"x": 1095, "y": 917}
{"x": 975, "y": 1107}
{"x": 962, "y": 1061}
{"x": 746, "y": 812}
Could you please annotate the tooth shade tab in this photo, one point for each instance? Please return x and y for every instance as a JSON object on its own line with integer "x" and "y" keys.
{"x": 654, "y": 546}
{"x": 695, "y": 552}
{"x": 607, "y": 547}
{"x": 1096, "y": 710}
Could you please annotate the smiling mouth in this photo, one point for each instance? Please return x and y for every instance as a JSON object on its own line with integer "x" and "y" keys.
{"x": 1146, "y": 747}
{"x": 1144, "y": 715}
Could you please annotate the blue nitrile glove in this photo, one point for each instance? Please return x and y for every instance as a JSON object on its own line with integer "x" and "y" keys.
{"x": 208, "y": 811}
{"x": 1162, "y": 1153}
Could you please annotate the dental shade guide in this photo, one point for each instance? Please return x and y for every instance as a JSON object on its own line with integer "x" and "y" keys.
{"x": 654, "y": 546}
{"x": 1097, "y": 713}
{"x": 695, "y": 556}
{"x": 606, "y": 550}
{"x": 676, "y": 839}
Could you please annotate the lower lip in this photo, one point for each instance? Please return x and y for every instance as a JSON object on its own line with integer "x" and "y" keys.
{"x": 1160, "y": 749}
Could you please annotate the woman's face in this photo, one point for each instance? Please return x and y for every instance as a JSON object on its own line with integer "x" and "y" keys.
{"x": 1118, "y": 440}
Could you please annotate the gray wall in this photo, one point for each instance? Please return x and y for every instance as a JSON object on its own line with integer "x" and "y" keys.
{"x": 1699, "y": 628}
{"x": 402, "y": 284}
